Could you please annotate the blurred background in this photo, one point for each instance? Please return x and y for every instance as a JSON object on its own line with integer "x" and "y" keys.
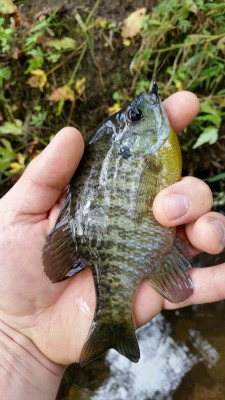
{"x": 75, "y": 63}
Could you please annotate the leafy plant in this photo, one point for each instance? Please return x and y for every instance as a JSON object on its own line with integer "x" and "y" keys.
{"x": 188, "y": 39}
{"x": 211, "y": 115}
{"x": 46, "y": 66}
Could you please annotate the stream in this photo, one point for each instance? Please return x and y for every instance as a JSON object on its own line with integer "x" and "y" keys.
{"x": 182, "y": 358}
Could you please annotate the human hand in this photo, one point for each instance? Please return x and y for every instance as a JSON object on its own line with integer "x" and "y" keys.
{"x": 187, "y": 205}
{"x": 57, "y": 317}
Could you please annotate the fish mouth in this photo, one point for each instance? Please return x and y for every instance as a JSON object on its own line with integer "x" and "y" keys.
{"x": 150, "y": 98}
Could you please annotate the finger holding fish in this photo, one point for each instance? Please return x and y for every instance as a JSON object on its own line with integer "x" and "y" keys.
{"x": 177, "y": 206}
{"x": 181, "y": 107}
{"x": 207, "y": 233}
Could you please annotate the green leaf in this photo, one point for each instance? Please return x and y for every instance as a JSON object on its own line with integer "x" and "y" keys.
{"x": 209, "y": 135}
{"x": 30, "y": 41}
{"x": 191, "y": 6}
{"x": 12, "y": 128}
{"x": 65, "y": 43}
{"x": 60, "y": 107}
{"x": 39, "y": 118}
{"x": 41, "y": 26}
{"x": 7, "y": 155}
{"x": 207, "y": 108}
{"x": 216, "y": 178}
{"x": 34, "y": 63}
{"x": 117, "y": 96}
{"x": 53, "y": 58}
{"x": 5, "y": 73}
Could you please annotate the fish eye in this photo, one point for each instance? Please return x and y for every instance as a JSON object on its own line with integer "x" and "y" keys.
{"x": 135, "y": 114}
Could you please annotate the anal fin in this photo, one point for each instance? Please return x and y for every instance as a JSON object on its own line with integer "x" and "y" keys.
{"x": 59, "y": 256}
{"x": 172, "y": 279}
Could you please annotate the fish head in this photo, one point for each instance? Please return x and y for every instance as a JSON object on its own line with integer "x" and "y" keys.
{"x": 142, "y": 127}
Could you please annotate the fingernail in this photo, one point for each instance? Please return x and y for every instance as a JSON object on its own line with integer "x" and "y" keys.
{"x": 219, "y": 230}
{"x": 176, "y": 206}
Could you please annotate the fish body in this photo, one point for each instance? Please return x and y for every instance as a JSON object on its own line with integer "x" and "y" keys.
{"x": 107, "y": 224}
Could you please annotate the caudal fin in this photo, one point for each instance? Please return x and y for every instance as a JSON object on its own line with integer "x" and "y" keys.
{"x": 103, "y": 337}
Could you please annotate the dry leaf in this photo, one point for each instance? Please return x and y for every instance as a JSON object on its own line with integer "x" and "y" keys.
{"x": 7, "y": 7}
{"x": 132, "y": 25}
{"x": 126, "y": 42}
{"x": 80, "y": 86}
{"x": 39, "y": 79}
{"x": 221, "y": 44}
{"x": 16, "y": 167}
{"x": 62, "y": 93}
{"x": 179, "y": 85}
{"x": 114, "y": 108}
{"x": 101, "y": 23}
{"x": 34, "y": 81}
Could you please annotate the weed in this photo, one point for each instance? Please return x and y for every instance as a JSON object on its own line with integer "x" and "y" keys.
{"x": 189, "y": 37}
{"x": 42, "y": 76}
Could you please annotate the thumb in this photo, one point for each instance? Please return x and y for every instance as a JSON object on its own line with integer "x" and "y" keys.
{"x": 47, "y": 175}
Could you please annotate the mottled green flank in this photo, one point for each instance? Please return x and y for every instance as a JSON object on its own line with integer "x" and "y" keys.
{"x": 107, "y": 224}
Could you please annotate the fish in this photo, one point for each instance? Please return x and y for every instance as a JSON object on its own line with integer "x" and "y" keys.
{"x": 107, "y": 224}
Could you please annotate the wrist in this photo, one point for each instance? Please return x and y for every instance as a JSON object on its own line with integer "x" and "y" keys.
{"x": 25, "y": 373}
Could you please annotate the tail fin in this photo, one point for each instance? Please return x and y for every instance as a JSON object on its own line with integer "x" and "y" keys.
{"x": 102, "y": 337}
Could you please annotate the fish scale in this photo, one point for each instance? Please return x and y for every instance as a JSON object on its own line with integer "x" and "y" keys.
{"x": 107, "y": 223}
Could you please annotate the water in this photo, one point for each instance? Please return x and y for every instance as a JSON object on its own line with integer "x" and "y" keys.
{"x": 182, "y": 358}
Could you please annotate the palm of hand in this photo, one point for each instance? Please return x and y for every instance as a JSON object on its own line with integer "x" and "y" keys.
{"x": 45, "y": 312}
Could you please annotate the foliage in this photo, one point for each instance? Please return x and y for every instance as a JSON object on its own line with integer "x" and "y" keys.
{"x": 42, "y": 62}
{"x": 188, "y": 37}
{"x": 34, "y": 53}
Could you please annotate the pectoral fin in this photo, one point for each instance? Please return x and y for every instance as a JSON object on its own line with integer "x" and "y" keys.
{"x": 172, "y": 279}
{"x": 59, "y": 256}
{"x": 149, "y": 186}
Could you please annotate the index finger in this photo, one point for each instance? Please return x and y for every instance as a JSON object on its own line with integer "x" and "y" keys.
{"x": 181, "y": 107}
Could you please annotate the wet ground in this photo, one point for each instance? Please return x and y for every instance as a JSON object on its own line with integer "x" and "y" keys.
{"x": 182, "y": 358}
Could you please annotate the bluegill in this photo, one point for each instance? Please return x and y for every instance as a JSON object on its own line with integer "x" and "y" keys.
{"x": 106, "y": 222}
